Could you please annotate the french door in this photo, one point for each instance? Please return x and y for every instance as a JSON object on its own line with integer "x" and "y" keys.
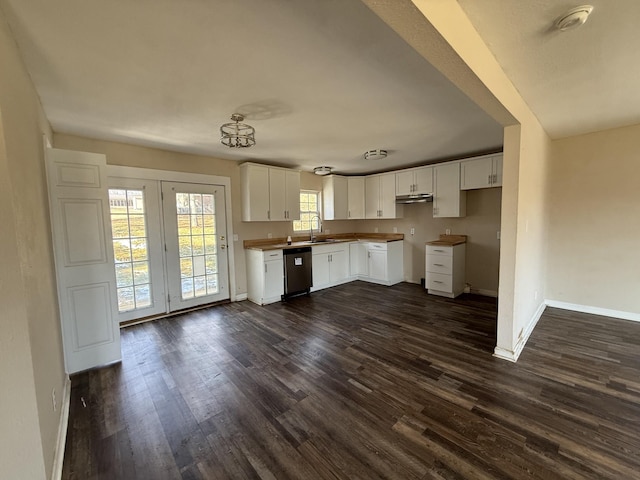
{"x": 195, "y": 244}
{"x": 170, "y": 245}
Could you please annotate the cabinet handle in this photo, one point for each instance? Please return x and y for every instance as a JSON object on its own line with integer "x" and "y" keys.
{"x": 268, "y": 214}
{"x": 436, "y": 250}
{"x": 349, "y": 213}
{"x": 438, "y": 265}
{"x": 489, "y": 179}
{"x": 495, "y": 178}
{"x": 265, "y": 268}
{"x": 437, "y": 281}
{"x": 368, "y": 254}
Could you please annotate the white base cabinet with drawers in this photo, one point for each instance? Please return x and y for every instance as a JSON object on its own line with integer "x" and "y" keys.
{"x": 330, "y": 265}
{"x": 265, "y": 276}
{"x": 377, "y": 262}
{"x": 445, "y": 270}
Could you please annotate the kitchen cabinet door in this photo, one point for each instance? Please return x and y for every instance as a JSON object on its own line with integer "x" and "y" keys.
{"x": 358, "y": 259}
{"x": 320, "y": 270}
{"x": 273, "y": 279}
{"x": 448, "y": 199}
{"x": 377, "y": 264}
{"x": 292, "y": 195}
{"x": 335, "y": 197}
{"x": 277, "y": 194}
{"x": 423, "y": 180}
{"x": 388, "y": 207}
{"x": 339, "y": 265}
{"x": 372, "y": 196}
{"x": 405, "y": 182}
{"x": 355, "y": 197}
{"x": 255, "y": 193}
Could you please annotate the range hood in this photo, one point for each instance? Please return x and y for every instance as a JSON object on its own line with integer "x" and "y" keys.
{"x": 415, "y": 198}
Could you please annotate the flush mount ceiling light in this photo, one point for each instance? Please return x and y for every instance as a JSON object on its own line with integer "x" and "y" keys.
{"x": 573, "y": 18}
{"x": 236, "y": 134}
{"x": 376, "y": 154}
{"x": 322, "y": 170}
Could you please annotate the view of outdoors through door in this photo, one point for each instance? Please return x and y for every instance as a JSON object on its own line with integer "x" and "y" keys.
{"x": 197, "y": 244}
{"x": 195, "y": 236}
{"x": 130, "y": 248}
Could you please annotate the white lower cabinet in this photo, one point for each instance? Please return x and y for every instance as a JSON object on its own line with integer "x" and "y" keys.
{"x": 378, "y": 262}
{"x": 330, "y": 265}
{"x": 445, "y": 270}
{"x": 265, "y": 276}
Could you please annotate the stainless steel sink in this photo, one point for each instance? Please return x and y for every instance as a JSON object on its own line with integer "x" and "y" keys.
{"x": 324, "y": 240}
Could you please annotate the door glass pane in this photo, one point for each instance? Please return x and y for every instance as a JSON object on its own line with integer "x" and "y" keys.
{"x": 197, "y": 244}
{"x": 130, "y": 249}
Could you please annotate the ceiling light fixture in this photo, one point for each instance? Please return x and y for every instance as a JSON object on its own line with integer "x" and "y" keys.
{"x": 376, "y": 154}
{"x": 236, "y": 134}
{"x": 322, "y": 170}
{"x": 573, "y": 18}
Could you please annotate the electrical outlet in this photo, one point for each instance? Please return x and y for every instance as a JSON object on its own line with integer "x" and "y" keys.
{"x": 269, "y": 235}
{"x": 447, "y": 231}
{"x": 535, "y": 295}
{"x": 375, "y": 230}
{"x": 412, "y": 231}
{"x": 498, "y": 235}
{"x": 53, "y": 400}
{"x": 235, "y": 237}
{"x": 395, "y": 229}
{"x": 327, "y": 231}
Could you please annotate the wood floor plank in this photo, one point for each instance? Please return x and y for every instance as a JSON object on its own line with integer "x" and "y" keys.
{"x": 360, "y": 381}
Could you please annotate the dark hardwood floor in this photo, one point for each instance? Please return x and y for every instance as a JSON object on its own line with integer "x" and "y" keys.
{"x": 360, "y": 382}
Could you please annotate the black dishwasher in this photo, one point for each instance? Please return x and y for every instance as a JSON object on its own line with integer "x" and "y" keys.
{"x": 297, "y": 271}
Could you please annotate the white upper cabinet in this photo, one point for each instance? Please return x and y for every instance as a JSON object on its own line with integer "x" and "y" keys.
{"x": 380, "y": 196}
{"x": 255, "y": 193}
{"x": 335, "y": 197}
{"x": 448, "y": 199}
{"x": 269, "y": 193}
{"x": 414, "y": 181}
{"x": 355, "y": 197}
{"x": 485, "y": 172}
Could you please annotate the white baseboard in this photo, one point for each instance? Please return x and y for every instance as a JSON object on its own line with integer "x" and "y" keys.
{"x": 513, "y": 356}
{"x": 605, "y": 312}
{"x": 58, "y": 459}
{"x": 240, "y": 297}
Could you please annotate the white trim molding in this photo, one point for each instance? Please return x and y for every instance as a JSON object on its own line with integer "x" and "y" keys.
{"x": 240, "y": 297}
{"x": 605, "y": 312}
{"x": 58, "y": 459}
{"x": 513, "y": 356}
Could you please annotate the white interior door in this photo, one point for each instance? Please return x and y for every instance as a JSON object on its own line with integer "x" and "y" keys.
{"x": 195, "y": 244}
{"x": 79, "y": 209}
{"x": 137, "y": 247}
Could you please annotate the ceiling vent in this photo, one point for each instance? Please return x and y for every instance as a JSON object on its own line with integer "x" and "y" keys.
{"x": 573, "y": 18}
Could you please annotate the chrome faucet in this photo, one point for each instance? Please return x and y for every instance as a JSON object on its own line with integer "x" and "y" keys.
{"x": 311, "y": 236}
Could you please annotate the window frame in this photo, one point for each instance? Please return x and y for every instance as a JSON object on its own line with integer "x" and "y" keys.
{"x": 298, "y": 224}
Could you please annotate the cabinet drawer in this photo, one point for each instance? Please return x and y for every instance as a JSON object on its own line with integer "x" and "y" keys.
{"x": 439, "y": 250}
{"x": 440, "y": 264}
{"x": 378, "y": 246}
{"x": 272, "y": 255}
{"x": 440, "y": 282}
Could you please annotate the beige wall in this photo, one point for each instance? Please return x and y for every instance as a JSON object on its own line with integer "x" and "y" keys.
{"x": 594, "y": 259}
{"x": 31, "y": 362}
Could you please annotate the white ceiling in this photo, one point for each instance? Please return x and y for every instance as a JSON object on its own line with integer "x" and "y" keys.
{"x": 321, "y": 81}
{"x": 577, "y": 81}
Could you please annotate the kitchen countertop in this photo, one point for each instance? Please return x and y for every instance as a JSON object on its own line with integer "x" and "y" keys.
{"x": 264, "y": 244}
{"x": 449, "y": 240}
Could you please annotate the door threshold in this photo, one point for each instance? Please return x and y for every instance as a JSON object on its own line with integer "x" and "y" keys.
{"x": 138, "y": 321}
